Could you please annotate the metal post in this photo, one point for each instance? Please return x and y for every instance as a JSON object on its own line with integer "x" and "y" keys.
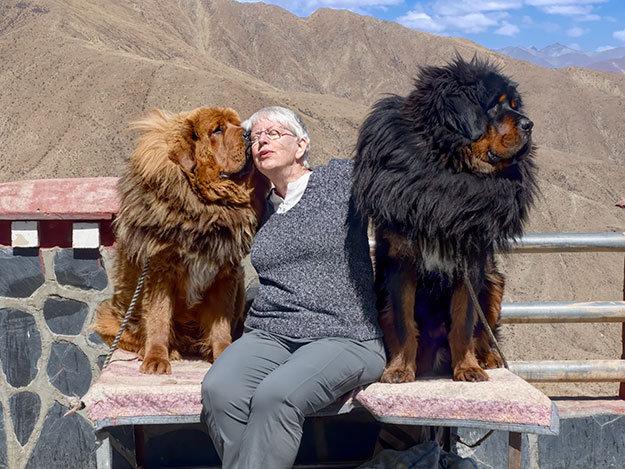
{"x": 104, "y": 451}
{"x": 514, "y": 450}
{"x": 139, "y": 438}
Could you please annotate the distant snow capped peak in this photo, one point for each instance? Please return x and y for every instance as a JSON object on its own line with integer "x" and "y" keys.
{"x": 558, "y": 55}
{"x": 557, "y": 50}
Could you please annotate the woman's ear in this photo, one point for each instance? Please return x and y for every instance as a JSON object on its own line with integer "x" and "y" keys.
{"x": 302, "y": 144}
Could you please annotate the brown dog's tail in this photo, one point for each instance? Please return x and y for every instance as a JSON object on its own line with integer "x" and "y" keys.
{"x": 108, "y": 321}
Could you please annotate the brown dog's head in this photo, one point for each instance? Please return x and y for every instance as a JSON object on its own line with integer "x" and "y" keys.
{"x": 209, "y": 144}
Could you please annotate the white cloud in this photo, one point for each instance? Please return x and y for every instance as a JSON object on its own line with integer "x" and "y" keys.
{"x": 620, "y": 35}
{"x": 542, "y": 3}
{"x": 580, "y": 10}
{"x": 469, "y": 23}
{"x": 574, "y": 46}
{"x": 422, "y": 22}
{"x": 457, "y": 7}
{"x": 462, "y": 16}
{"x": 568, "y": 10}
{"x": 605, "y": 48}
{"x": 508, "y": 29}
{"x": 576, "y": 31}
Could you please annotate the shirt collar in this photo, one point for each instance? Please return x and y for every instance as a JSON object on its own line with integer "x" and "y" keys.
{"x": 294, "y": 192}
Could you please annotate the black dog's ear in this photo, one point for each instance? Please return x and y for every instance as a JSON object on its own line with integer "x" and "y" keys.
{"x": 495, "y": 84}
{"x": 463, "y": 115}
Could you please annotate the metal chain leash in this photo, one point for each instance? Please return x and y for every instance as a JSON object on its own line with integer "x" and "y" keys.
{"x": 131, "y": 308}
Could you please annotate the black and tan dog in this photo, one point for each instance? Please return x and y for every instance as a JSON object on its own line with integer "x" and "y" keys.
{"x": 447, "y": 177}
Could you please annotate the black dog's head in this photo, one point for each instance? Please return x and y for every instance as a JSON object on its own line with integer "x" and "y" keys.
{"x": 472, "y": 114}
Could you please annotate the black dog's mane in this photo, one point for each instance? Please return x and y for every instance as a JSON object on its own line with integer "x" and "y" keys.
{"x": 407, "y": 175}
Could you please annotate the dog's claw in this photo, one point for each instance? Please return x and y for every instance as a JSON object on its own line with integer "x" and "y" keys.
{"x": 155, "y": 366}
{"x": 394, "y": 375}
{"x": 491, "y": 360}
{"x": 470, "y": 374}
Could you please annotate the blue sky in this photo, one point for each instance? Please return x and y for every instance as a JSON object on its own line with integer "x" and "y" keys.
{"x": 588, "y": 25}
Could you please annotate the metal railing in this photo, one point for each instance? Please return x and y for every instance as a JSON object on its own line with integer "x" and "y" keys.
{"x": 569, "y": 312}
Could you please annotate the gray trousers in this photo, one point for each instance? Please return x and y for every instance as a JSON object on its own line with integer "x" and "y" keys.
{"x": 257, "y": 393}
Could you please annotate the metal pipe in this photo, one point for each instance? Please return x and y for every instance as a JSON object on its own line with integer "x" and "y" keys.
{"x": 563, "y": 312}
{"x": 563, "y": 242}
{"x": 568, "y": 242}
{"x": 567, "y": 312}
{"x": 570, "y": 371}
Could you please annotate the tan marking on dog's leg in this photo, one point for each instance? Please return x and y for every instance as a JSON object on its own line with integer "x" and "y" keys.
{"x": 493, "y": 297}
{"x": 463, "y": 359}
{"x": 157, "y": 320}
{"x": 402, "y": 364}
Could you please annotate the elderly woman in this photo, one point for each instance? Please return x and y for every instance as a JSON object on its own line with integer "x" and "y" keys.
{"x": 311, "y": 334}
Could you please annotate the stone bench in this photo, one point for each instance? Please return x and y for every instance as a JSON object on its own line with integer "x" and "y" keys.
{"x": 122, "y": 396}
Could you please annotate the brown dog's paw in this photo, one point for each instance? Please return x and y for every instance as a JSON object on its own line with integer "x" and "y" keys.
{"x": 469, "y": 374}
{"x": 155, "y": 366}
{"x": 491, "y": 360}
{"x": 398, "y": 375}
{"x": 175, "y": 355}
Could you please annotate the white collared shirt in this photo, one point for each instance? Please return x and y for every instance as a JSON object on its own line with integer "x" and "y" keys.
{"x": 294, "y": 192}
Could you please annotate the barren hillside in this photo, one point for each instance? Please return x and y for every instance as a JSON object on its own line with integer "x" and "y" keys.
{"x": 74, "y": 73}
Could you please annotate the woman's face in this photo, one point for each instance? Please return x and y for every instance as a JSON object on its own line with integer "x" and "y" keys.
{"x": 278, "y": 154}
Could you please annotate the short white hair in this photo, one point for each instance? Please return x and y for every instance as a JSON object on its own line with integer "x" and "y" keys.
{"x": 289, "y": 119}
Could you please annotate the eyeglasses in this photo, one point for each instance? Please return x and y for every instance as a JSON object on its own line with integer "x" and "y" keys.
{"x": 271, "y": 134}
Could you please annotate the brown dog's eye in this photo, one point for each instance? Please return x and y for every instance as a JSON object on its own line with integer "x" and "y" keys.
{"x": 218, "y": 130}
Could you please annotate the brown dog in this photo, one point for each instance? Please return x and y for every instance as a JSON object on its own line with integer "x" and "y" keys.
{"x": 191, "y": 202}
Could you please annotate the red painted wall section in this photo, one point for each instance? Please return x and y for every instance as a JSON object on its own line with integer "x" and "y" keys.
{"x": 57, "y": 204}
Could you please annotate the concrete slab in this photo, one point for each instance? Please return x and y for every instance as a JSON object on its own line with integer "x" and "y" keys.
{"x": 59, "y": 199}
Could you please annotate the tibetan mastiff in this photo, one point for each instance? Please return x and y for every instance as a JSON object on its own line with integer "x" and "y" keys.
{"x": 190, "y": 203}
{"x": 446, "y": 176}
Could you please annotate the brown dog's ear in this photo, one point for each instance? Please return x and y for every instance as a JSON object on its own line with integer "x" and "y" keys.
{"x": 184, "y": 158}
{"x": 184, "y": 154}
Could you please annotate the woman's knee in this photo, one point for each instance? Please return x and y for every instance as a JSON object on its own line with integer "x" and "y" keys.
{"x": 216, "y": 392}
{"x": 270, "y": 396}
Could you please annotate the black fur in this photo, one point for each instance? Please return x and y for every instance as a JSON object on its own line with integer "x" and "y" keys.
{"x": 411, "y": 178}
{"x": 408, "y": 175}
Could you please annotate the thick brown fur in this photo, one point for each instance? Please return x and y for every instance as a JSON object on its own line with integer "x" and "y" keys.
{"x": 191, "y": 201}
{"x": 447, "y": 177}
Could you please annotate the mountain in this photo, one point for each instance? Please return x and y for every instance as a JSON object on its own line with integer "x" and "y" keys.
{"x": 557, "y": 56}
{"x": 75, "y": 73}
{"x": 610, "y": 65}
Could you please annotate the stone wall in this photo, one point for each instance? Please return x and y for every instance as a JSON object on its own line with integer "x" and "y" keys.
{"x": 48, "y": 355}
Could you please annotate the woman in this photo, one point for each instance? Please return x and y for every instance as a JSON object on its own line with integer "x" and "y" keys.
{"x": 312, "y": 333}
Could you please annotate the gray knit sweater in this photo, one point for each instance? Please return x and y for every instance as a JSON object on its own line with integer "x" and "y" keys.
{"x": 316, "y": 278}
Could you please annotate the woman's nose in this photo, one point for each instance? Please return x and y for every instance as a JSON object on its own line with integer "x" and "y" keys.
{"x": 262, "y": 138}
